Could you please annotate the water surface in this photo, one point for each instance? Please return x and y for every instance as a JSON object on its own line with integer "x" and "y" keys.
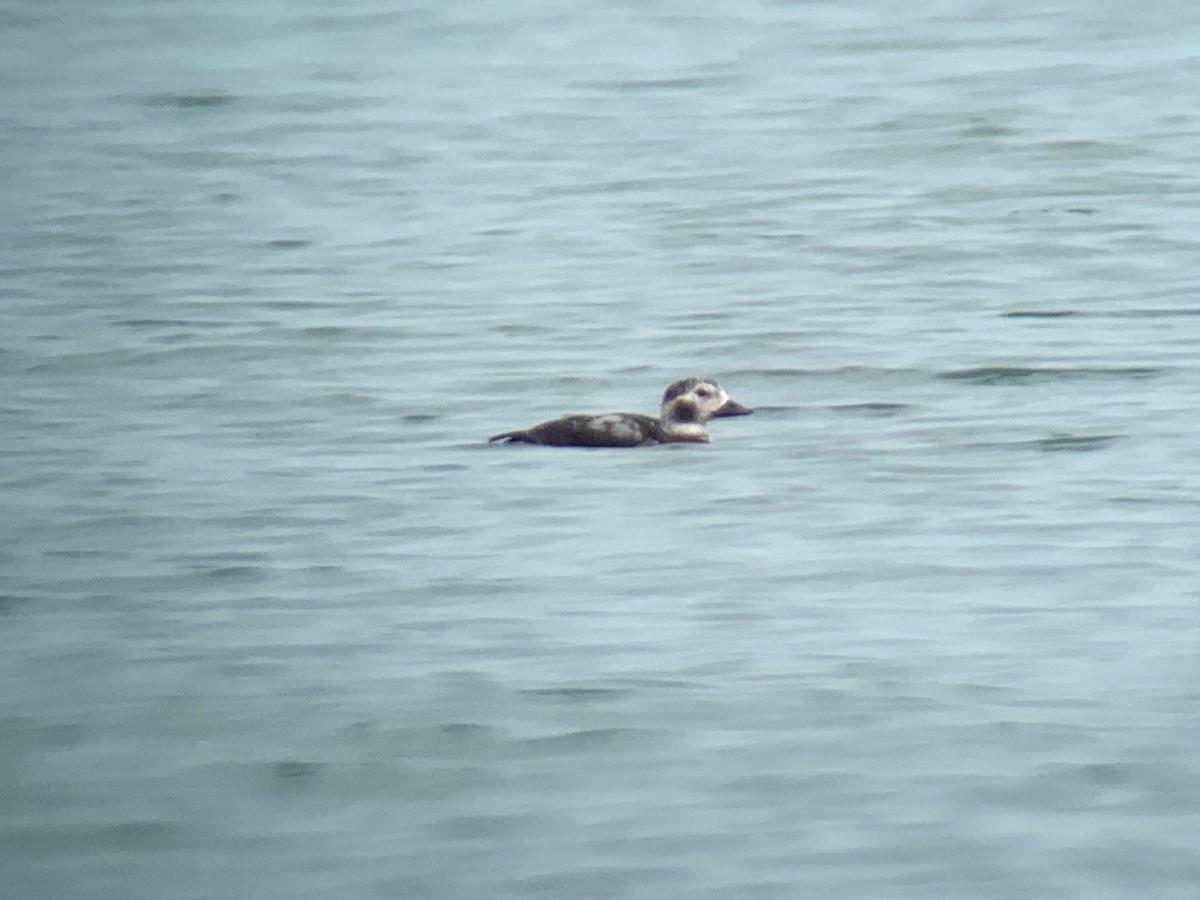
{"x": 276, "y": 622}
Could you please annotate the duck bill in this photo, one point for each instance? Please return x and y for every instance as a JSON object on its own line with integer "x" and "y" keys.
{"x": 732, "y": 408}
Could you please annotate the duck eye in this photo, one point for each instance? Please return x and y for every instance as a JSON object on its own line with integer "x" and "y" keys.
{"x": 703, "y": 392}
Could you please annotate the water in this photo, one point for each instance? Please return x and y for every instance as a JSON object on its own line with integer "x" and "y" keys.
{"x": 274, "y": 620}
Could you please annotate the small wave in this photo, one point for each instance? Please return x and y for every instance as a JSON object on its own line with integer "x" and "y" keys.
{"x": 798, "y": 372}
{"x": 1155, "y": 500}
{"x": 1042, "y": 314}
{"x": 1014, "y": 374}
{"x": 9, "y": 602}
{"x": 666, "y": 83}
{"x": 577, "y": 694}
{"x": 1159, "y": 313}
{"x": 190, "y": 99}
{"x": 295, "y": 769}
{"x": 871, "y": 409}
{"x": 226, "y": 573}
{"x": 1075, "y": 443}
{"x": 988, "y": 130}
{"x": 1057, "y": 443}
{"x": 590, "y": 738}
{"x": 153, "y": 323}
{"x": 1084, "y": 148}
{"x": 1152, "y": 313}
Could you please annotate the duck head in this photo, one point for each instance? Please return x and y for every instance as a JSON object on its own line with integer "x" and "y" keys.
{"x": 696, "y": 400}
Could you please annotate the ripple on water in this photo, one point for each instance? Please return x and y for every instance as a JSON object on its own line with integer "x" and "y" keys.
{"x": 198, "y": 99}
{"x": 1076, "y": 442}
{"x": 1021, "y": 374}
{"x": 577, "y": 694}
{"x": 1057, "y": 443}
{"x": 875, "y": 409}
{"x": 1144, "y": 313}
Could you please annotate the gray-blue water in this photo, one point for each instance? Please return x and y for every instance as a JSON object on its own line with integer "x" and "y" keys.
{"x": 275, "y": 622}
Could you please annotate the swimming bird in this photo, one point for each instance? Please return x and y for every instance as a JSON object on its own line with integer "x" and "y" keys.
{"x": 686, "y": 405}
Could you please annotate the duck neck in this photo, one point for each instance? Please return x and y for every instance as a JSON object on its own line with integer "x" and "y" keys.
{"x": 683, "y": 421}
{"x": 686, "y": 431}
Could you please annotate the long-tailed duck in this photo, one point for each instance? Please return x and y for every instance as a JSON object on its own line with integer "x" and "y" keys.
{"x": 686, "y": 406}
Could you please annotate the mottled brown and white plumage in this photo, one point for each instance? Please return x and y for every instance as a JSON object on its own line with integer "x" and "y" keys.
{"x": 686, "y": 405}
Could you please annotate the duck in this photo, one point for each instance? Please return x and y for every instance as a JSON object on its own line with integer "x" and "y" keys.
{"x": 687, "y": 404}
